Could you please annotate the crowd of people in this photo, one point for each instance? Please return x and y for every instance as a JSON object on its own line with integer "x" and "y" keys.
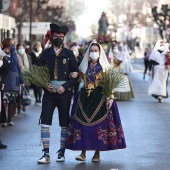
{"x": 94, "y": 122}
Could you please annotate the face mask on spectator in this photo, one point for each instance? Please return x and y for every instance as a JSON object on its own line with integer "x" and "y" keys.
{"x": 21, "y": 51}
{"x": 12, "y": 48}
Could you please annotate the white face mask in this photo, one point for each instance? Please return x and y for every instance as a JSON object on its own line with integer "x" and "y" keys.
{"x": 1, "y": 63}
{"x": 21, "y": 51}
{"x": 94, "y": 55}
{"x": 161, "y": 48}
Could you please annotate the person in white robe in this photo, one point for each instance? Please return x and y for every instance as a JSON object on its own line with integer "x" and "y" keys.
{"x": 124, "y": 92}
{"x": 158, "y": 72}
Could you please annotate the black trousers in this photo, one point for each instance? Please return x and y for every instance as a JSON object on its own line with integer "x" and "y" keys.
{"x": 37, "y": 93}
{"x": 146, "y": 63}
{"x": 52, "y": 100}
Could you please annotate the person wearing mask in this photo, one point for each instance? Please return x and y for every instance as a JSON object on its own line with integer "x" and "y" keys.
{"x": 24, "y": 63}
{"x": 35, "y": 55}
{"x": 3, "y": 73}
{"x": 60, "y": 62}
{"x": 78, "y": 59}
{"x": 146, "y": 58}
{"x": 116, "y": 58}
{"x": 124, "y": 92}
{"x": 158, "y": 72}
{"x": 12, "y": 81}
{"x": 95, "y": 122}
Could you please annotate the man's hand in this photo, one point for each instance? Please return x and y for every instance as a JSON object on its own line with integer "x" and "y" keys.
{"x": 60, "y": 90}
{"x": 74, "y": 74}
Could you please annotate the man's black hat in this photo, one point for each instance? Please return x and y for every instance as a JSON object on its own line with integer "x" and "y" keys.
{"x": 58, "y": 29}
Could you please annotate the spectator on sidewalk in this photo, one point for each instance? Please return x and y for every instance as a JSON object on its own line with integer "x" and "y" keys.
{"x": 12, "y": 81}
{"x": 35, "y": 55}
{"x": 75, "y": 87}
{"x": 24, "y": 63}
{"x": 3, "y": 73}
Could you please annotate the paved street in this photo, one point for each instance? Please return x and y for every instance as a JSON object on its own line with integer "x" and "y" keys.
{"x": 146, "y": 126}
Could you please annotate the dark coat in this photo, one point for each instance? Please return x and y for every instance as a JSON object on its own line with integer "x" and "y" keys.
{"x": 14, "y": 77}
{"x": 66, "y": 63}
{"x": 3, "y": 72}
{"x": 34, "y": 58}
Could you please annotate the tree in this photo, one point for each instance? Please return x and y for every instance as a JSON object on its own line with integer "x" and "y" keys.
{"x": 20, "y": 10}
{"x": 162, "y": 18}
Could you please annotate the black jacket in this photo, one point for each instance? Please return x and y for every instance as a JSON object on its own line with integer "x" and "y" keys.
{"x": 3, "y": 72}
{"x": 66, "y": 63}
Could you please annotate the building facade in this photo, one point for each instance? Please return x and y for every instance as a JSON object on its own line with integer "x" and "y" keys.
{"x": 7, "y": 27}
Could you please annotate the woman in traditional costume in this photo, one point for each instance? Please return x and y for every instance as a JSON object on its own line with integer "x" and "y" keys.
{"x": 124, "y": 92}
{"x": 158, "y": 72}
{"x": 95, "y": 122}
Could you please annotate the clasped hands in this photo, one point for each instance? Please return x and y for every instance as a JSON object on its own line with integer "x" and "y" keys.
{"x": 61, "y": 89}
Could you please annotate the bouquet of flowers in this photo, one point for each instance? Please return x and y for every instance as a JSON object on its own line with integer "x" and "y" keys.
{"x": 104, "y": 38}
{"x": 39, "y": 76}
{"x": 110, "y": 80}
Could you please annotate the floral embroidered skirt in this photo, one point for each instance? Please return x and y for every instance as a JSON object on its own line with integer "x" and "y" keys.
{"x": 92, "y": 126}
{"x": 11, "y": 97}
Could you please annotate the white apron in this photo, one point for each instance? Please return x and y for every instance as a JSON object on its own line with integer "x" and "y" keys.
{"x": 157, "y": 85}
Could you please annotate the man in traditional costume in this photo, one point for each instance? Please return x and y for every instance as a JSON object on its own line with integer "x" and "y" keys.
{"x": 95, "y": 122}
{"x": 60, "y": 62}
{"x": 158, "y": 72}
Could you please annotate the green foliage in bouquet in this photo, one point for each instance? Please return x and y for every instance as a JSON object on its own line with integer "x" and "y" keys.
{"x": 39, "y": 76}
{"x": 110, "y": 80}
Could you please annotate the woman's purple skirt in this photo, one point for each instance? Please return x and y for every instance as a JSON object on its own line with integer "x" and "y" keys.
{"x": 106, "y": 135}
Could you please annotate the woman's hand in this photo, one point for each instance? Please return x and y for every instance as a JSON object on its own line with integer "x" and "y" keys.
{"x": 109, "y": 103}
{"x": 74, "y": 74}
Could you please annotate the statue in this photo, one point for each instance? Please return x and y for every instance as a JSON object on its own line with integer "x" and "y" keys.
{"x": 103, "y": 24}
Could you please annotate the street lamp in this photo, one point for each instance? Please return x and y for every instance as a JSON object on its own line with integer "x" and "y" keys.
{"x": 30, "y": 20}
